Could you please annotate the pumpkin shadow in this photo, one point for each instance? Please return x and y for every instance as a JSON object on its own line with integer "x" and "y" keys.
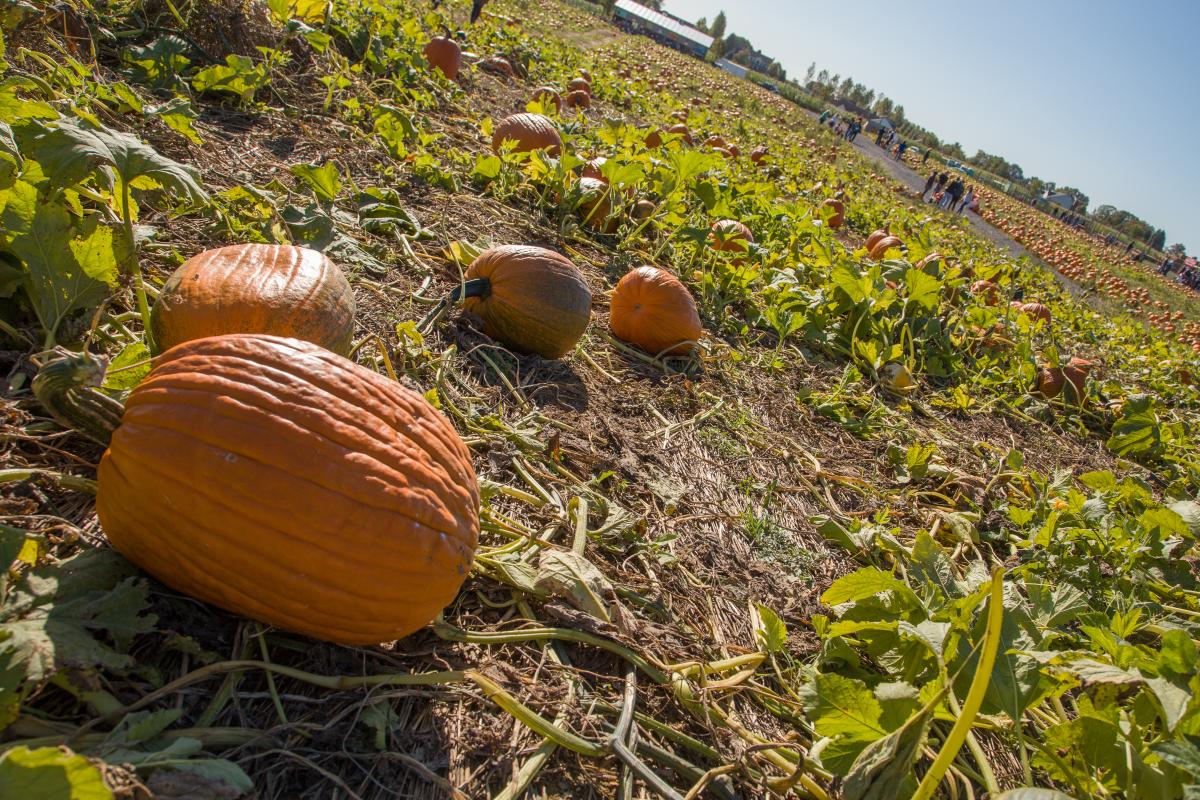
{"x": 543, "y": 382}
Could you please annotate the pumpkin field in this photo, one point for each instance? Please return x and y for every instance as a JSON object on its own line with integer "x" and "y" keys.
{"x": 399, "y": 407}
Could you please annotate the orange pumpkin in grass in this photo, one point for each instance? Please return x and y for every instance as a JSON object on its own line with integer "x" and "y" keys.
{"x": 875, "y": 236}
{"x": 883, "y": 245}
{"x": 683, "y": 131}
{"x": 1036, "y": 311}
{"x": 529, "y": 132}
{"x": 596, "y": 206}
{"x": 579, "y": 85}
{"x": 653, "y": 138}
{"x": 989, "y": 291}
{"x": 280, "y": 481}
{"x": 652, "y": 309}
{"x": 730, "y": 235}
{"x": 445, "y": 55}
{"x": 530, "y": 298}
{"x": 256, "y": 288}
{"x": 548, "y": 95}
{"x": 578, "y": 99}
{"x": 592, "y": 169}
{"x": 839, "y": 211}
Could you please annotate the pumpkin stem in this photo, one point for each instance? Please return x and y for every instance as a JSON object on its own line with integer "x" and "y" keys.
{"x": 476, "y": 287}
{"x": 65, "y": 386}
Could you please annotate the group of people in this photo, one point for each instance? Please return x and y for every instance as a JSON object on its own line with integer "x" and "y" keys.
{"x": 846, "y": 127}
{"x": 1188, "y": 276}
{"x": 950, "y": 193}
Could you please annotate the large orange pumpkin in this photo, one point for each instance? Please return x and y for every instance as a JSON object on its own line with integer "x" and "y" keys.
{"x": 879, "y": 250}
{"x": 534, "y": 300}
{"x": 285, "y": 483}
{"x": 444, "y": 54}
{"x": 256, "y": 288}
{"x": 730, "y": 235}
{"x": 653, "y": 310}
{"x": 529, "y": 132}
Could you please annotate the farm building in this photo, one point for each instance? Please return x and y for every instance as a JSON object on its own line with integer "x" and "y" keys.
{"x": 1067, "y": 201}
{"x": 636, "y": 18}
{"x": 731, "y": 67}
{"x": 877, "y": 123}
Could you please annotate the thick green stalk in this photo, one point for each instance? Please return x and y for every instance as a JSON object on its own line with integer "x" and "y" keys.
{"x": 979, "y": 685}
{"x": 133, "y": 266}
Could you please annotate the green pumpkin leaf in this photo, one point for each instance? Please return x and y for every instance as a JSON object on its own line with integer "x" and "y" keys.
{"x": 324, "y": 180}
{"x": 923, "y": 289}
{"x": 50, "y": 773}
{"x": 769, "y": 631}
{"x": 69, "y": 153}
{"x": 884, "y": 769}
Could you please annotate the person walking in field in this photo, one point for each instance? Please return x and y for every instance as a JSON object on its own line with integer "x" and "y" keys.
{"x": 932, "y": 179}
{"x": 951, "y": 195}
{"x": 967, "y": 198}
{"x": 928, "y": 150}
{"x": 900, "y": 150}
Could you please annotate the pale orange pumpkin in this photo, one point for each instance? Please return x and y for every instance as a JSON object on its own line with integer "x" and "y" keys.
{"x": 529, "y": 131}
{"x": 445, "y": 55}
{"x": 653, "y": 310}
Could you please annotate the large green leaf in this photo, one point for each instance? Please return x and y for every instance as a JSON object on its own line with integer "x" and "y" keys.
{"x": 884, "y": 769}
{"x": 69, "y": 153}
{"x": 1137, "y": 432}
{"x": 68, "y": 268}
{"x": 65, "y": 614}
{"x": 50, "y": 773}
{"x": 923, "y": 288}
{"x": 843, "y": 707}
{"x": 865, "y": 583}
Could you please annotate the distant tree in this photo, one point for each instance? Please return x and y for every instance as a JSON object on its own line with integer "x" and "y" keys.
{"x": 883, "y": 106}
{"x": 868, "y": 98}
{"x": 898, "y": 115}
{"x": 1177, "y": 250}
{"x": 809, "y": 73}
{"x": 702, "y": 24}
{"x": 822, "y": 79}
{"x": 1158, "y": 240}
{"x": 1016, "y": 173}
{"x": 1036, "y": 185}
{"x": 955, "y": 151}
{"x": 845, "y": 89}
{"x": 776, "y": 70}
{"x": 717, "y": 30}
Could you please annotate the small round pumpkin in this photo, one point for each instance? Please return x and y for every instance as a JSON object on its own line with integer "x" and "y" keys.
{"x": 592, "y": 169}
{"x": 759, "y": 154}
{"x": 653, "y": 310}
{"x": 716, "y": 141}
{"x": 683, "y": 131}
{"x": 290, "y": 485}
{"x": 643, "y": 209}
{"x": 529, "y": 131}
{"x": 1050, "y": 381}
{"x": 537, "y": 300}
{"x": 548, "y": 95}
{"x": 595, "y": 205}
{"x": 875, "y": 236}
{"x": 839, "y": 212}
{"x": 730, "y": 235}
{"x": 1036, "y": 311}
{"x": 653, "y": 138}
{"x": 578, "y": 99}
{"x": 989, "y": 291}
{"x": 256, "y": 288}
{"x": 579, "y": 85}
{"x": 497, "y": 65}
{"x": 883, "y": 245}
{"x": 445, "y": 55}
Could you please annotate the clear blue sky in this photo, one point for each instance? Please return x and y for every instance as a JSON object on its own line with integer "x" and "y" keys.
{"x": 1103, "y": 96}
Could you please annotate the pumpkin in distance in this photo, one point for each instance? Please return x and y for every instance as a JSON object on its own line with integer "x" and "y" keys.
{"x": 529, "y": 132}
{"x": 578, "y": 99}
{"x": 256, "y": 288}
{"x": 875, "y": 236}
{"x": 579, "y": 85}
{"x": 729, "y": 235}
{"x": 653, "y": 310}
{"x": 548, "y": 96}
{"x": 838, "y": 208}
{"x": 444, "y": 54}
{"x": 285, "y": 483}
{"x": 535, "y": 300}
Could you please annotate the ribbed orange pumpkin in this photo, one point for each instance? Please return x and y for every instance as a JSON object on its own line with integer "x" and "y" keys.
{"x": 758, "y": 154}
{"x": 879, "y": 250}
{"x": 729, "y": 235}
{"x": 875, "y": 236}
{"x": 989, "y": 291}
{"x": 529, "y": 131}
{"x": 497, "y": 65}
{"x": 256, "y": 288}
{"x": 444, "y": 54}
{"x": 285, "y": 483}
{"x": 548, "y": 94}
{"x": 653, "y": 310}
{"x": 537, "y": 300}
{"x": 578, "y": 99}
{"x": 592, "y": 169}
{"x": 579, "y": 85}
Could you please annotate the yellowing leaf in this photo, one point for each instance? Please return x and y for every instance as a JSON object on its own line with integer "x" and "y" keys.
{"x": 50, "y": 773}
